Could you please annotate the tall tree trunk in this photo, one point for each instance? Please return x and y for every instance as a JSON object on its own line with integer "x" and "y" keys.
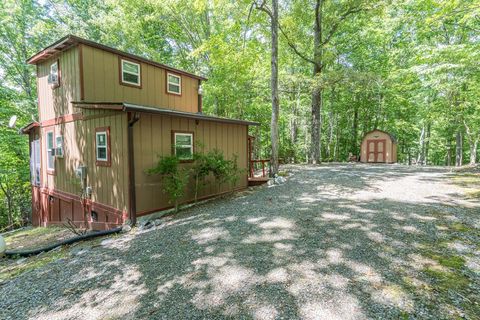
{"x": 337, "y": 142}
{"x": 9, "y": 199}
{"x": 317, "y": 94}
{"x": 473, "y": 152}
{"x": 449, "y": 152}
{"x": 421, "y": 147}
{"x": 355, "y": 130}
{"x": 459, "y": 149}
{"x": 331, "y": 129}
{"x": 294, "y": 119}
{"x": 473, "y": 138}
{"x": 274, "y": 86}
{"x": 427, "y": 143}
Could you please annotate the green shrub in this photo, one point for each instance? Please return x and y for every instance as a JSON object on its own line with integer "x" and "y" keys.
{"x": 200, "y": 170}
{"x": 175, "y": 178}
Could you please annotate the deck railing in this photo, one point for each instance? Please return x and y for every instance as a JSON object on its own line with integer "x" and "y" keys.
{"x": 253, "y": 162}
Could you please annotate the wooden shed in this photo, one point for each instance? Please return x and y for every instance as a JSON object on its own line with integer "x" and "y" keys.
{"x": 378, "y": 147}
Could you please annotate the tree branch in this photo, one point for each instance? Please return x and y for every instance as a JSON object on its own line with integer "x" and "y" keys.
{"x": 263, "y": 7}
{"x": 294, "y": 48}
{"x": 344, "y": 16}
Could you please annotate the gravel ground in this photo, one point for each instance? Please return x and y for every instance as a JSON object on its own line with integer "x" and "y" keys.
{"x": 333, "y": 242}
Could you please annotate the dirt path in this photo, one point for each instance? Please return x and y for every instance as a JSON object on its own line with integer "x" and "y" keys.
{"x": 334, "y": 242}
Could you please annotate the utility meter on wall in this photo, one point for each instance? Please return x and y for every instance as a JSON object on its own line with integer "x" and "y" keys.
{"x": 81, "y": 172}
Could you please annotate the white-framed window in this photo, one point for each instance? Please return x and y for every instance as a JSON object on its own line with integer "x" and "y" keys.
{"x": 130, "y": 72}
{"x": 183, "y": 147}
{"x": 59, "y": 146}
{"x": 101, "y": 138}
{"x": 174, "y": 84}
{"x": 35, "y": 162}
{"x": 50, "y": 151}
{"x": 53, "y": 77}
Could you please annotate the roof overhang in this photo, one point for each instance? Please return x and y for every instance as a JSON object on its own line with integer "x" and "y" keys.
{"x": 29, "y": 127}
{"x": 129, "y": 107}
{"x": 70, "y": 41}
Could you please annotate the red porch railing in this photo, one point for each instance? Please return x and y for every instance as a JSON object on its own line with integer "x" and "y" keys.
{"x": 252, "y": 164}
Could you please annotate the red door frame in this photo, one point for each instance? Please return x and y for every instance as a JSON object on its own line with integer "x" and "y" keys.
{"x": 375, "y": 150}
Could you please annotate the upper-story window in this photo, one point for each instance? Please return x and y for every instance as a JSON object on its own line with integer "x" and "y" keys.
{"x": 130, "y": 73}
{"x": 174, "y": 84}
{"x": 54, "y": 75}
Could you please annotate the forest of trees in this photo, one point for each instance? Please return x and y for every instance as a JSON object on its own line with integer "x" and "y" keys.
{"x": 344, "y": 68}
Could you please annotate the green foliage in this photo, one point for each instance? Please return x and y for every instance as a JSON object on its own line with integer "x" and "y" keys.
{"x": 200, "y": 170}
{"x": 214, "y": 163}
{"x": 400, "y": 66}
{"x": 14, "y": 165}
{"x": 174, "y": 177}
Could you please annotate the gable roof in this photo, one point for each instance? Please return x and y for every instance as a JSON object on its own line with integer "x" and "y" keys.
{"x": 71, "y": 41}
{"x": 394, "y": 139}
{"x": 122, "y": 106}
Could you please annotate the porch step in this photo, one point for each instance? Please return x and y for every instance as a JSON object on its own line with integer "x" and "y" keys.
{"x": 256, "y": 181}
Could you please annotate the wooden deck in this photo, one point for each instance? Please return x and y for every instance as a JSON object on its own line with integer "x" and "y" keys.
{"x": 256, "y": 181}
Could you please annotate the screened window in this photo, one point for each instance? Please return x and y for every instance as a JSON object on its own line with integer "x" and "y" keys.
{"x": 130, "y": 72}
{"x": 174, "y": 84}
{"x": 35, "y": 162}
{"x": 102, "y": 145}
{"x": 183, "y": 145}
{"x": 50, "y": 151}
{"x": 53, "y": 77}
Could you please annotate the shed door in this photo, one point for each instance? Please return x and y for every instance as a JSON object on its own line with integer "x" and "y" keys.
{"x": 380, "y": 151}
{"x": 371, "y": 150}
{"x": 376, "y": 150}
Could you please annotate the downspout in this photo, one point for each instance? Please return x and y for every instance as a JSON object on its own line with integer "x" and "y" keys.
{"x": 200, "y": 95}
{"x": 133, "y": 118}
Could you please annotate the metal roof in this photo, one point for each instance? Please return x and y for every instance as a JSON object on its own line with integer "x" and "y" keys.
{"x": 122, "y": 106}
{"x": 71, "y": 40}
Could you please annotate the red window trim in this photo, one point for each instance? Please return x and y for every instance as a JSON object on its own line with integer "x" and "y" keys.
{"x": 52, "y": 129}
{"x": 120, "y": 75}
{"x": 193, "y": 143}
{"x": 108, "y": 162}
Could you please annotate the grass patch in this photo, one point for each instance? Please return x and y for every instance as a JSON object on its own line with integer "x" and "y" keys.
{"x": 35, "y": 237}
{"x": 283, "y": 173}
{"x": 467, "y": 179}
{"x": 470, "y": 182}
{"x": 473, "y": 194}
{"x": 30, "y": 238}
{"x": 460, "y": 227}
{"x": 445, "y": 280}
{"x": 10, "y": 268}
{"x": 453, "y": 262}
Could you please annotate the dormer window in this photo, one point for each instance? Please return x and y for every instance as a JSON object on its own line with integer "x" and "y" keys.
{"x": 54, "y": 76}
{"x": 174, "y": 84}
{"x": 130, "y": 73}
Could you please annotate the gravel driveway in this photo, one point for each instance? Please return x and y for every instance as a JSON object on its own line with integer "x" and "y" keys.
{"x": 333, "y": 242}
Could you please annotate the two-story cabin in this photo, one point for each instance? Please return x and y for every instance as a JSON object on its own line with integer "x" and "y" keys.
{"x": 105, "y": 116}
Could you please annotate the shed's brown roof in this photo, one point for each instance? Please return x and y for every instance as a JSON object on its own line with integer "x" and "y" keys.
{"x": 122, "y": 106}
{"x": 71, "y": 40}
